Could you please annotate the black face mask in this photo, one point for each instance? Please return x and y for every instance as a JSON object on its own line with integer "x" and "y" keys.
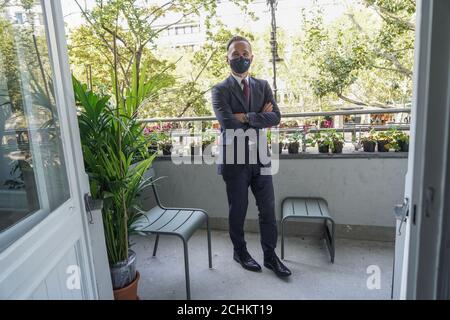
{"x": 240, "y": 65}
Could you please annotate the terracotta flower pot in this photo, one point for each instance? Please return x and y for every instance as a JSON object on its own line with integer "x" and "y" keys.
{"x": 129, "y": 292}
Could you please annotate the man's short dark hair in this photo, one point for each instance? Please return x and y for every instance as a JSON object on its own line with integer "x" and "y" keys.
{"x": 237, "y": 39}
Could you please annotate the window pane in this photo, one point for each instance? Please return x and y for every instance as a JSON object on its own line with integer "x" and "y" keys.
{"x": 32, "y": 169}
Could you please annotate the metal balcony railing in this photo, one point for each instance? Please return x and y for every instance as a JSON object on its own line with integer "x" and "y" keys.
{"x": 307, "y": 122}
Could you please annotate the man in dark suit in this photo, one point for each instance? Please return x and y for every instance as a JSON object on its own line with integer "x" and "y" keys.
{"x": 245, "y": 104}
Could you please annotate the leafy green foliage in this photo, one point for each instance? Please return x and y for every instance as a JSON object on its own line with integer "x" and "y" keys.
{"x": 92, "y": 45}
{"x": 365, "y": 56}
{"x": 115, "y": 151}
{"x": 115, "y": 176}
{"x": 371, "y": 136}
{"x": 295, "y": 137}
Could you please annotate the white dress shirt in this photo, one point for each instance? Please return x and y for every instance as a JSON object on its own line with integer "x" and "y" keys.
{"x": 239, "y": 80}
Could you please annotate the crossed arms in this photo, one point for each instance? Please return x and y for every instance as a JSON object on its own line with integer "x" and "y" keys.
{"x": 269, "y": 115}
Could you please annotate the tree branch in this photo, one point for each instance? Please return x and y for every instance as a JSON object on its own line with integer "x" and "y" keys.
{"x": 361, "y": 103}
{"x": 161, "y": 7}
{"x": 205, "y": 65}
{"x": 389, "y": 17}
{"x": 393, "y": 59}
{"x": 386, "y": 68}
{"x": 388, "y": 56}
{"x": 347, "y": 99}
{"x": 102, "y": 37}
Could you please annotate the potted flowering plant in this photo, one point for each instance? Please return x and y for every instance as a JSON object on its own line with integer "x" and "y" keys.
{"x": 281, "y": 141}
{"x": 369, "y": 141}
{"x": 153, "y": 137}
{"x": 326, "y": 122}
{"x": 336, "y": 141}
{"x": 208, "y": 139}
{"x": 384, "y": 141}
{"x": 165, "y": 143}
{"x": 294, "y": 142}
{"x": 323, "y": 142}
{"x": 400, "y": 141}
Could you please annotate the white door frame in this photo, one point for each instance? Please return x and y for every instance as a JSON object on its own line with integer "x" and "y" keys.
{"x": 60, "y": 59}
{"x": 429, "y": 154}
{"x": 39, "y": 259}
{"x": 444, "y": 268}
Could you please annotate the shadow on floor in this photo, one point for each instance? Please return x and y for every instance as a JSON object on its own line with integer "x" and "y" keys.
{"x": 313, "y": 276}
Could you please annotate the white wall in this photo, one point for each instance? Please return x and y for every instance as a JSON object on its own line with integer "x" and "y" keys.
{"x": 360, "y": 191}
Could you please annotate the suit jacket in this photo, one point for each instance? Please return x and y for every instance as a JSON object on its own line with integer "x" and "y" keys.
{"x": 228, "y": 99}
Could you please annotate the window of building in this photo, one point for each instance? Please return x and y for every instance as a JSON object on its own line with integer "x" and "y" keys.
{"x": 179, "y": 30}
{"x": 19, "y": 18}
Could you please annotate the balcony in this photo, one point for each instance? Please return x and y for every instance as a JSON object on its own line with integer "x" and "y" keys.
{"x": 361, "y": 189}
{"x": 313, "y": 277}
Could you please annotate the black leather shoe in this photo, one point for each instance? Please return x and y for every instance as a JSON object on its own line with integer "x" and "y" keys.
{"x": 274, "y": 263}
{"x": 246, "y": 261}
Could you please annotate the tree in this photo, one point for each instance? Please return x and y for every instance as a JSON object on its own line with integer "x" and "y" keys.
{"x": 363, "y": 58}
{"x": 91, "y": 45}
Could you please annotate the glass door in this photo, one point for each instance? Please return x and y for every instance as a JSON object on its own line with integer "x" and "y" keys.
{"x": 33, "y": 179}
{"x": 44, "y": 242}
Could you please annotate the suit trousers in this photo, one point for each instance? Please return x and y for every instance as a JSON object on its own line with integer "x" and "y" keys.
{"x": 237, "y": 184}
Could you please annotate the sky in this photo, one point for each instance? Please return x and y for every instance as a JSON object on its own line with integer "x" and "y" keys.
{"x": 288, "y": 13}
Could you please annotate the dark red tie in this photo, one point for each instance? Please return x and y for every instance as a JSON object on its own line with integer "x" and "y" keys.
{"x": 246, "y": 91}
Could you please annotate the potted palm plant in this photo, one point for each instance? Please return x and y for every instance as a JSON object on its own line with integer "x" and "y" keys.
{"x": 116, "y": 156}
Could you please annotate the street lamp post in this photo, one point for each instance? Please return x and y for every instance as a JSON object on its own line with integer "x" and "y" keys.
{"x": 274, "y": 45}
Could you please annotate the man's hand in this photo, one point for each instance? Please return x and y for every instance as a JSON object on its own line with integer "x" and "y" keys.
{"x": 240, "y": 117}
{"x": 268, "y": 107}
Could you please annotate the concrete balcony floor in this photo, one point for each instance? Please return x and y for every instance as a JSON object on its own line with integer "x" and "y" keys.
{"x": 314, "y": 277}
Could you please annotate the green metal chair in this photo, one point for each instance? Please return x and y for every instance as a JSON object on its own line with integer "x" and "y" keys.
{"x": 308, "y": 208}
{"x": 180, "y": 222}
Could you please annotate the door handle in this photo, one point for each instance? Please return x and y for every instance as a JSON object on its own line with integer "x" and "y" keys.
{"x": 401, "y": 213}
{"x": 90, "y": 205}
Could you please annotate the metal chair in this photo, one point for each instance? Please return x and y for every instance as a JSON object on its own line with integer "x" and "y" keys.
{"x": 308, "y": 208}
{"x": 180, "y": 222}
